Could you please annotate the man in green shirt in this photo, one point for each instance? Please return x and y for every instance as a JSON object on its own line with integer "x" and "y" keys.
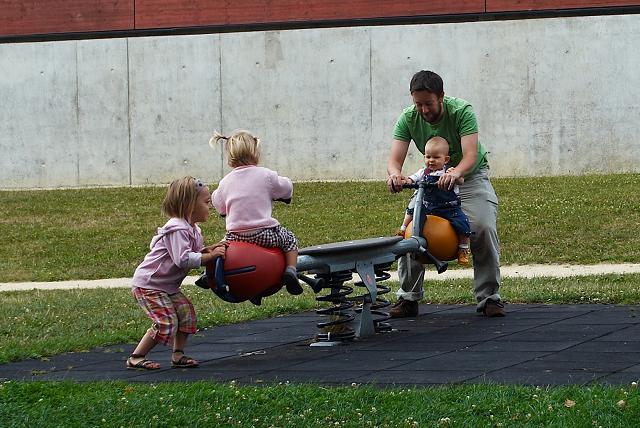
{"x": 434, "y": 114}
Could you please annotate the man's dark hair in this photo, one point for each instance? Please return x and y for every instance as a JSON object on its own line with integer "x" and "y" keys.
{"x": 425, "y": 80}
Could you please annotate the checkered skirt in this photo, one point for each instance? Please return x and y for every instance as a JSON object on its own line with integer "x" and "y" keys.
{"x": 269, "y": 237}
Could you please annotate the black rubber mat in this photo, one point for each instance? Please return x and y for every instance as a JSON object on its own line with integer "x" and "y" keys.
{"x": 445, "y": 344}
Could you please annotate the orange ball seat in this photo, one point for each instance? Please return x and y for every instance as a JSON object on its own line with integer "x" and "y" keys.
{"x": 441, "y": 237}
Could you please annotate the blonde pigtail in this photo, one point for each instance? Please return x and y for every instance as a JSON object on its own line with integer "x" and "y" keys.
{"x": 213, "y": 141}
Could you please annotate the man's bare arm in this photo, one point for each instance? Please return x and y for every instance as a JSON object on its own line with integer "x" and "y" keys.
{"x": 397, "y": 157}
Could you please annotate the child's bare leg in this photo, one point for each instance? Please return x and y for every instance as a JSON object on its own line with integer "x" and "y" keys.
{"x": 463, "y": 250}
{"x": 179, "y": 342}
{"x": 291, "y": 258}
{"x": 146, "y": 344}
{"x": 405, "y": 223}
{"x": 139, "y": 354}
{"x": 290, "y": 276}
{"x": 407, "y": 219}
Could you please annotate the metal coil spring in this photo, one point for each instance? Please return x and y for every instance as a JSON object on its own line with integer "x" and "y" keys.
{"x": 340, "y": 314}
{"x": 376, "y": 307}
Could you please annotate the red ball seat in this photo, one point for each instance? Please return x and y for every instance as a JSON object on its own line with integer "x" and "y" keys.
{"x": 249, "y": 271}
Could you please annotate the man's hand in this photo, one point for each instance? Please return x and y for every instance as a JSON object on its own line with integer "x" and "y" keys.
{"x": 450, "y": 179}
{"x": 394, "y": 165}
{"x": 395, "y": 182}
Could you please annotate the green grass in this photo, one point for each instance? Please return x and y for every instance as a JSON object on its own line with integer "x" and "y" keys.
{"x": 578, "y": 220}
{"x": 63, "y": 404}
{"x": 51, "y": 235}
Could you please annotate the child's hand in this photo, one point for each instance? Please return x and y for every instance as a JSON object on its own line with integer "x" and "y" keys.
{"x": 218, "y": 251}
{"x": 212, "y": 252}
{"x": 210, "y": 248}
{"x": 407, "y": 180}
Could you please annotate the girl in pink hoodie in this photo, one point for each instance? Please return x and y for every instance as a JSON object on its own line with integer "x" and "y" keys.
{"x": 176, "y": 249}
{"x": 245, "y": 197}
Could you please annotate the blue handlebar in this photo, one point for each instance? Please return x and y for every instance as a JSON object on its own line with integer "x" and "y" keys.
{"x": 222, "y": 289}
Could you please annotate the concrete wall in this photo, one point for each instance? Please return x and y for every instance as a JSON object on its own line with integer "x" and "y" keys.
{"x": 553, "y": 96}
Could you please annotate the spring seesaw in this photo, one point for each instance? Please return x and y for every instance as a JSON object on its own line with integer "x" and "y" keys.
{"x": 250, "y": 271}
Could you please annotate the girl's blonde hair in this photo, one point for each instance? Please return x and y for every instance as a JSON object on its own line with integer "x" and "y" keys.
{"x": 180, "y": 200}
{"x": 242, "y": 147}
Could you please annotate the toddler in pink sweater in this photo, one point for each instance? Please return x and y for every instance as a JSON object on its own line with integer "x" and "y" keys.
{"x": 245, "y": 197}
{"x": 177, "y": 248}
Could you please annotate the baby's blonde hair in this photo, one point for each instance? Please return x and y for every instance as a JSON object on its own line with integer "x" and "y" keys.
{"x": 180, "y": 200}
{"x": 242, "y": 147}
{"x": 438, "y": 142}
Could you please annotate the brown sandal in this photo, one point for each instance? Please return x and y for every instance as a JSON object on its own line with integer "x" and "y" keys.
{"x": 183, "y": 362}
{"x": 141, "y": 365}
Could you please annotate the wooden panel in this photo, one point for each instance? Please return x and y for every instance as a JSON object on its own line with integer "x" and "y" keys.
{"x": 180, "y": 13}
{"x": 518, "y": 5}
{"x": 21, "y": 17}
{"x": 26, "y": 17}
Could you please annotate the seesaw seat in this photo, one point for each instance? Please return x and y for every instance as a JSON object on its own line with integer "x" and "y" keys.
{"x": 247, "y": 271}
{"x": 441, "y": 237}
{"x": 345, "y": 246}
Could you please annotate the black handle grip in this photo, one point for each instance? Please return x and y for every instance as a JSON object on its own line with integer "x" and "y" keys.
{"x": 316, "y": 284}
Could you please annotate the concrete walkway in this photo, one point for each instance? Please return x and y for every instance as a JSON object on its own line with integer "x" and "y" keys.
{"x": 522, "y": 271}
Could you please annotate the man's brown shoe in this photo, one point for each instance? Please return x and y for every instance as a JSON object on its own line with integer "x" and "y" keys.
{"x": 494, "y": 309}
{"x": 404, "y": 308}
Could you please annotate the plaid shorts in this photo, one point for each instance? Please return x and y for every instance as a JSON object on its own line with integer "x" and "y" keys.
{"x": 276, "y": 236}
{"x": 170, "y": 313}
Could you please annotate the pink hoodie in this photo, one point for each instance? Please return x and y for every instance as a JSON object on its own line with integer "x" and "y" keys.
{"x": 245, "y": 196}
{"x": 175, "y": 250}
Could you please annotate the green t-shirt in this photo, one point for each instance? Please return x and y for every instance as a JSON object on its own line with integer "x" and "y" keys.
{"x": 458, "y": 120}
